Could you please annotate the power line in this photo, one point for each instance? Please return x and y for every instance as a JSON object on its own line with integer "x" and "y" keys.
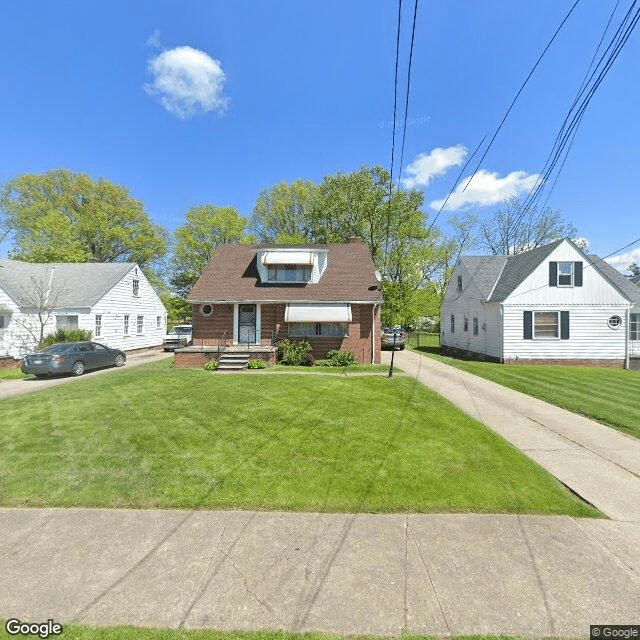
{"x": 406, "y": 102}
{"x": 589, "y": 86}
{"x": 455, "y": 184}
{"x": 393, "y": 137}
{"x": 520, "y": 91}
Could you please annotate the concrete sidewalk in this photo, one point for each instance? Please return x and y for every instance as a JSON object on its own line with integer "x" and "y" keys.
{"x": 350, "y": 574}
{"x": 11, "y": 388}
{"x": 599, "y": 463}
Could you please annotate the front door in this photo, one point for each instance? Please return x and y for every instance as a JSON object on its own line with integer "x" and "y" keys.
{"x": 247, "y": 324}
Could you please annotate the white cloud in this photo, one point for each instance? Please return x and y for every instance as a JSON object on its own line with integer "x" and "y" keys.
{"x": 622, "y": 261}
{"x": 487, "y": 188}
{"x": 428, "y": 166}
{"x": 154, "y": 40}
{"x": 187, "y": 82}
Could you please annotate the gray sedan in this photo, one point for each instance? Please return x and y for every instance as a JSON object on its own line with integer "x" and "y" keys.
{"x": 71, "y": 357}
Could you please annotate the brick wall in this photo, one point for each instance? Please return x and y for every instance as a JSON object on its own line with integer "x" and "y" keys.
{"x": 209, "y": 330}
{"x": 8, "y": 363}
{"x": 272, "y": 317}
{"x": 194, "y": 359}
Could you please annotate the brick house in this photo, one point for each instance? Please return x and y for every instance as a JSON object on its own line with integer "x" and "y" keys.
{"x": 250, "y": 297}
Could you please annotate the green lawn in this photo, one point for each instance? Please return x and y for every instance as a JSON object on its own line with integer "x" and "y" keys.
{"x": 353, "y": 368}
{"x": 83, "y": 632}
{"x": 610, "y": 396}
{"x": 12, "y": 373}
{"x": 158, "y": 437}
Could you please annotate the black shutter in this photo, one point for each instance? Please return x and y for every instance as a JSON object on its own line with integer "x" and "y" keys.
{"x": 564, "y": 325}
{"x": 528, "y": 325}
{"x": 553, "y": 274}
{"x": 577, "y": 274}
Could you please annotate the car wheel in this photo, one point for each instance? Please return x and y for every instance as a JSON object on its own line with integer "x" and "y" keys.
{"x": 402, "y": 348}
{"x": 40, "y": 375}
{"x": 119, "y": 360}
{"x": 78, "y": 368}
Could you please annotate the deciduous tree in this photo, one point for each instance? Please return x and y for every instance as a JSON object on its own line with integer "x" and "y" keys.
{"x": 206, "y": 228}
{"x": 511, "y": 229}
{"x": 60, "y": 216}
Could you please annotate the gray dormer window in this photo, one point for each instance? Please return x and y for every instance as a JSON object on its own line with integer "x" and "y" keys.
{"x": 459, "y": 284}
{"x": 288, "y": 273}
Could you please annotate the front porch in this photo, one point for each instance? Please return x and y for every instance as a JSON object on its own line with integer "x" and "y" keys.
{"x": 199, "y": 355}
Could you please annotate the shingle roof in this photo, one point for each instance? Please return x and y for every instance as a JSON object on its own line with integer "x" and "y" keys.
{"x": 635, "y": 280}
{"x": 503, "y": 274}
{"x": 77, "y": 285}
{"x": 624, "y": 285}
{"x": 517, "y": 268}
{"x": 484, "y": 270}
{"x": 232, "y": 275}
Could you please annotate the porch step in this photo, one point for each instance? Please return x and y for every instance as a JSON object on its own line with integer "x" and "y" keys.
{"x": 233, "y": 361}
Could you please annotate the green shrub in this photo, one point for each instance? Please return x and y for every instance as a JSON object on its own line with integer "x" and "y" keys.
{"x": 258, "y": 363}
{"x": 323, "y": 362}
{"x": 65, "y": 335}
{"x": 341, "y": 358}
{"x": 212, "y": 365}
{"x": 292, "y": 353}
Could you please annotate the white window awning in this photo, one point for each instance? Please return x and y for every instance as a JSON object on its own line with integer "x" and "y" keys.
{"x": 318, "y": 313}
{"x": 288, "y": 257}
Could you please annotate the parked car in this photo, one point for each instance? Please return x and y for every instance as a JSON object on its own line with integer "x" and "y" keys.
{"x": 71, "y": 357}
{"x": 393, "y": 338}
{"x": 179, "y": 336}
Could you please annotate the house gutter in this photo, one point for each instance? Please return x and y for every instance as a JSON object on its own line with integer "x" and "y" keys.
{"x": 626, "y": 339}
{"x": 373, "y": 333}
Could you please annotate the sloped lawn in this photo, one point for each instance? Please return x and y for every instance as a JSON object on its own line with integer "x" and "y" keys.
{"x": 155, "y": 437}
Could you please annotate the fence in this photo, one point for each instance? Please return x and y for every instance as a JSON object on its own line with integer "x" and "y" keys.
{"x": 423, "y": 340}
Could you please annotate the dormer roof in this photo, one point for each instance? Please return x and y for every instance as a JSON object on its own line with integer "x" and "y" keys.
{"x": 232, "y": 275}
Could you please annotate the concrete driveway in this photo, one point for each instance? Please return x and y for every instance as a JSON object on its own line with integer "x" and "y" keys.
{"x": 598, "y": 463}
{"x": 10, "y": 388}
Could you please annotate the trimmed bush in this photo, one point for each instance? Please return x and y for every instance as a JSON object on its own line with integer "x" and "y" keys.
{"x": 341, "y": 358}
{"x": 65, "y": 335}
{"x": 323, "y": 362}
{"x": 292, "y": 353}
{"x": 258, "y": 363}
{"x": 212, "y": 365}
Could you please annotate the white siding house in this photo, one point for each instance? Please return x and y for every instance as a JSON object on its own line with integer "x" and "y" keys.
{"x": 112, "y": 300}
{"x": 551, "y": 304}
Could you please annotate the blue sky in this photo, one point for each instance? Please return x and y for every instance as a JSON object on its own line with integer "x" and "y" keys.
{"x": 286, "y": 90}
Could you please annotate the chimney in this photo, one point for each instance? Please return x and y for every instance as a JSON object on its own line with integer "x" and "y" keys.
{"x": 354, "y": 239}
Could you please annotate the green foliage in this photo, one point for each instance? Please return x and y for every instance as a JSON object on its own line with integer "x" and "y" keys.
{"x": 177, "y": 308}
{"x": 413, "y": 258}
{"x": 293, "y": 353}
{"x": 65, "y": 335}
{"x": 206, "y": 228}
{"x": 60, "y": 216}
{"x": 212, "y": 365}
{"x": 258, "y": 363}
{"x": 282, "y": 213}
{"x": 337, "y": 358}
{"x": 634, "y": 269}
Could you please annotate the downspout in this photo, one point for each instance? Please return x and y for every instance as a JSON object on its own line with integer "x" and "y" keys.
{"x": 626, "y": 339}
{"x": 373, "y": 333}
{"x": 501, "y": 333}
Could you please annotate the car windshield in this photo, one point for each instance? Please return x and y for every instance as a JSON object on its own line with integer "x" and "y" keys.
{"x": 180, "y": 330}
{"x": 55, "y": 348}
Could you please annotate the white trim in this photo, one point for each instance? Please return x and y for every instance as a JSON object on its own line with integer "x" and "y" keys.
{"x": 533, "y": 325}
{"x": 235, "y": 323}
